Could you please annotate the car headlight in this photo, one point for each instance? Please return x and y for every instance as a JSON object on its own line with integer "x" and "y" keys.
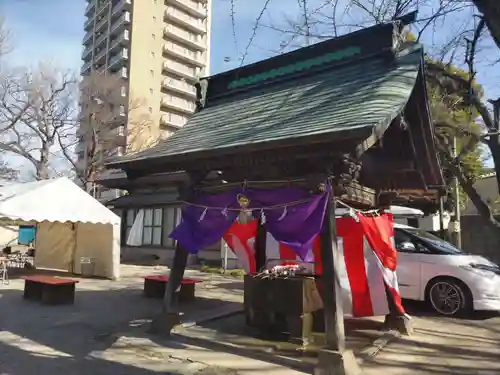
{"x": 479, "y": 271}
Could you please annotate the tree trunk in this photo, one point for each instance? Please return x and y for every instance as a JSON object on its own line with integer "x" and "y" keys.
{"x": 494, "y": 146}
{"x": 490, "y": 10}
{"x": 482, "y": 208}
{"x": 42, "y": 168}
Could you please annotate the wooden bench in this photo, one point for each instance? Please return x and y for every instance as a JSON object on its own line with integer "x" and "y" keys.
{"x": 49, "y": 290}
{"x": 155, "y": 286}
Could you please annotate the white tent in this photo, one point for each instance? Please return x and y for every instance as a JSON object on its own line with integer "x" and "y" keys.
{"x": 71, "y": 225}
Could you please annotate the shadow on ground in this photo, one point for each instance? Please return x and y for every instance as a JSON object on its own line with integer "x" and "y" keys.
{"x": 442, "y": 346}
{"x": 232, "y": 334}
{"x": 35, "y": 338}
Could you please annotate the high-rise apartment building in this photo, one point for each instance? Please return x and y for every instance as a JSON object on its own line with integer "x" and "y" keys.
{"x": 158, "y": 47}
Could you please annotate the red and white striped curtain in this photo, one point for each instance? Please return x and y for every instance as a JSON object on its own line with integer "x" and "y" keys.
{"x": 366, "y": 260}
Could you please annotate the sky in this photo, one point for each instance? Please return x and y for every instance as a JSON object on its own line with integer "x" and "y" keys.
{"x": 52, "y": 31}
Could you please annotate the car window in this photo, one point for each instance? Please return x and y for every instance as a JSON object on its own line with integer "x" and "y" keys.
{"x": 428, "y": 239}
{"x": 400, "y": 237}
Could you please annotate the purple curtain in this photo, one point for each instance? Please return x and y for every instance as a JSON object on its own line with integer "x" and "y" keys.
{"x": 294, "y": 224}
{"x": 201, "y": 227}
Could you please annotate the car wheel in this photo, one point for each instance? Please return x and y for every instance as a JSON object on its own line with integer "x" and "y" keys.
{"x": 449, "y": 297}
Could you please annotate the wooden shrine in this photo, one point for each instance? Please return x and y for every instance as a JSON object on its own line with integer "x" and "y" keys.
{"x": 352, "y": 110}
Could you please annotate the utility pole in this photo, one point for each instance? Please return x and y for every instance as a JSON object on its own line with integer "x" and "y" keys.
{"x": 442, "y": 233}
{"x": 456, "y": 236}
{"x": 496, "y": 112}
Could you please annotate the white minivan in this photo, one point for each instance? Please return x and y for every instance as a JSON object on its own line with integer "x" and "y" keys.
{"x": 452, "y": 282}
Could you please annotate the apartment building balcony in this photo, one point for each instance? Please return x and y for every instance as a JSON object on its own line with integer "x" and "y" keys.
{"x": 87, "y": 53}
{"x": 182, "y": 53}
{"x": 100, "y": 69}
{"x": 102, "y": 25}
{"x": 90, "y": 9}
{"x": 89, "y": 24}
{"x": 119, "y": 58}
{"x": 186, "y": 72}
{"x": 189, "y": 6}
{"x": 122, "y": 40}
{"x": 80, "y": 148}
{"x": 82, "y": 130}
{"x": 178, "y": 104}
{"x": 100, "y": 57}
{"x": 179, "y": 87}
{"x": 88, "y": 38}
{"x": 119, "y": 25}
{"x": 185, "y": 20}
{"x": 86, "y": 68}
{"x": 103, "y": 8}
{"x": 184, "y": 37}
{"x": 101, "y": 40}
{"x": 168, "y": 124}
{"x": 120, "y": 7}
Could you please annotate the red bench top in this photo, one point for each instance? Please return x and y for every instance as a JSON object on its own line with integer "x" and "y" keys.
{"x": 164, "y": 278}
{"x": 43, "y": 279}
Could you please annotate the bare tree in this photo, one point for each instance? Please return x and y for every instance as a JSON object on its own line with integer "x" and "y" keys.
{"x": 110, "y": 123}
{"x": 7, "y": 173}
{"x": 35, "y": 106}
{"x": 317, "y": 20}
{"x": 5, "y": 38}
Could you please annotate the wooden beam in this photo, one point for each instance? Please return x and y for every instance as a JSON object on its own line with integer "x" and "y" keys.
{"x": 334, "y": 359}
{"x": 170, "y": 316}
{"x": 332, "y": 293}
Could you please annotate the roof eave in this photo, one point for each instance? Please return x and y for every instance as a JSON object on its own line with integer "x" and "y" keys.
{"x": 173, "y": 163}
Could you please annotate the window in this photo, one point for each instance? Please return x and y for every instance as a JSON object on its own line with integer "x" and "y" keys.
{"x": 151, "y": 91}
{"x": 153, "y": 229}
{"x": 123, "y": 91}
{"x": 129, "y": 222}
{"x": 152, "y": 54}
{"x": 152, "y": 72}
{"x": 158, "y": 223}
{"x": 154, "y": 18}
{"x": 150, "y": 109}
{"x": 153, "y": 36}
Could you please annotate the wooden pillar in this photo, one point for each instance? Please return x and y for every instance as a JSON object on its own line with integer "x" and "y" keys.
{"x": 334, "y": 359}
{"x": 179, "y": 265}
{"x": 170, "y": 314}
{"x": 334, "y": 317}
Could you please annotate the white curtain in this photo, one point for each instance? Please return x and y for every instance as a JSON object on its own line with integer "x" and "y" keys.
{"x": 135, "y": 235}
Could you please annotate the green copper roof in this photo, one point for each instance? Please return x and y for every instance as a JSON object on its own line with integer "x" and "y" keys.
{"x": 367, "y": 93}
{"x": 296, "y": 67}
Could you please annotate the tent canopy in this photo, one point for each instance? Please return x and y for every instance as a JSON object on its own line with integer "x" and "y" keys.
{"x": 53, "y": 200}
{"x": 72, "y": 227}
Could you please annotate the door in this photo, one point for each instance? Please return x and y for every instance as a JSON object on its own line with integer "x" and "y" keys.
{"x": 409, "y": 267}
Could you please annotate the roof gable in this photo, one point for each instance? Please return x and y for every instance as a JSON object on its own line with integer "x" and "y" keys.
{"x": 354, "y": 100}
